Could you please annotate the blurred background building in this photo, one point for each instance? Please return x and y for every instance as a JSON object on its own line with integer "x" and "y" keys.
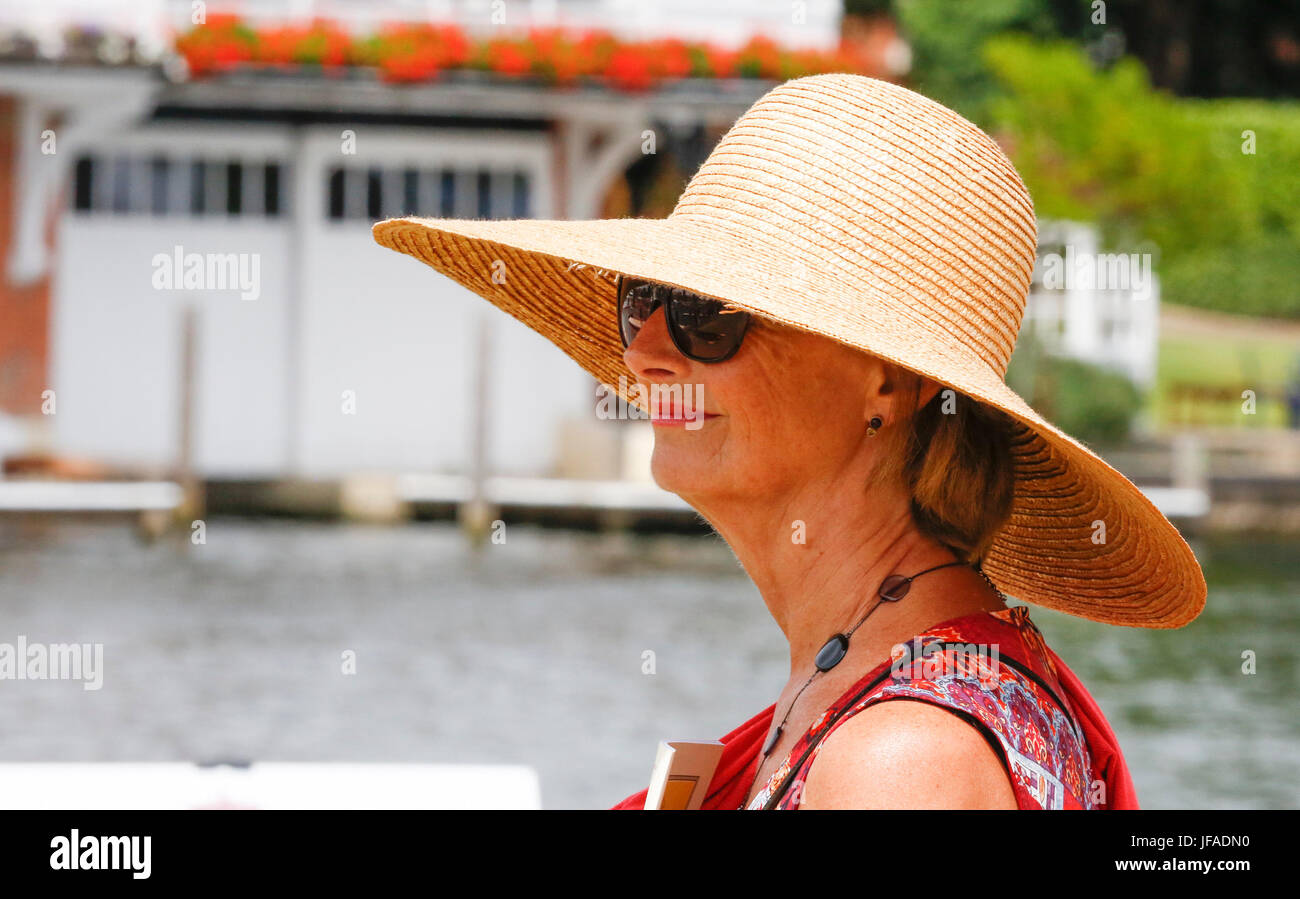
{"x": 273, "y": 134}
{"x": 115, "y": 162}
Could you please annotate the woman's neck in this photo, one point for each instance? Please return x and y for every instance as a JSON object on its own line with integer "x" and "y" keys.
{"x": 819, "y": 561}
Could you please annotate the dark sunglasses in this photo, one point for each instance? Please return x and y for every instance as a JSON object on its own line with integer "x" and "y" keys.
{"x": 702, "y": 328}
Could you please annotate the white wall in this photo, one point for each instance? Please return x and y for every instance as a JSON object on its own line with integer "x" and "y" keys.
{"x": 403, "y": 337}
{"x": 271, "y": 374}
{"x": 116, "y": 340}
{"x": 117, "y": 344}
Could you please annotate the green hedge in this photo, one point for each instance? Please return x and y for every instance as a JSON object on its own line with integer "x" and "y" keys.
{"x": 1093, "y": 404}
{"x": 944, "y": 36}
{"x": 1103, "y": 146}
{"x": 1261, "y": 278}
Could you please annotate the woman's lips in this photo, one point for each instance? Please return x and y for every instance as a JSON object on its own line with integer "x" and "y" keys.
{"x": 679, "y": 407}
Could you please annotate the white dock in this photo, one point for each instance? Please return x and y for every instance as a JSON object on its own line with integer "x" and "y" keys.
{"x": 635, "y": 496}
{"x": 1179, "y": 502}
{"x": 537, "y": 493}
{"x": 88, "y": 496}
{"x": 560, "y": 493}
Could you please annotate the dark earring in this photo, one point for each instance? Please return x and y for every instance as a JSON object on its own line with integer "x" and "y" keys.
{"x": 874, "y": 425}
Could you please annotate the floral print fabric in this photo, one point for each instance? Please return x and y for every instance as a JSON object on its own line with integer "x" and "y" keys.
{"x": 994, "y": 669}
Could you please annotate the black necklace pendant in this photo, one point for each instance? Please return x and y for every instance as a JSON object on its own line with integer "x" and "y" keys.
{"x": 772, "y": 740}
{"x": 895, "y": 587}
{"x": 832, "y": 653}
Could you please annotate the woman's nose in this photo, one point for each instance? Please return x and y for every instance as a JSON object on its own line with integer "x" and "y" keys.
{"x": 652, "y": 353}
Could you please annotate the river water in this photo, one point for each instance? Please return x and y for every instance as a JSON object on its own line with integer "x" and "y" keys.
{"x": 531, "y": 652}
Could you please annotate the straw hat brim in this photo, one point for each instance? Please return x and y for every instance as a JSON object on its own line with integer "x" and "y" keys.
{"x": 1081, "y": 539}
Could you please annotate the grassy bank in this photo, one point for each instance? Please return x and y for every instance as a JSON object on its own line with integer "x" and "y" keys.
{"x": 1206, "y": 361}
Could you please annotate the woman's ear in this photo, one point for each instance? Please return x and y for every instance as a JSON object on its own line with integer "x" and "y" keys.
{"x": 881, "y": 390}
{"x": 894, "y": 384}
{"x": 928, "y": 390}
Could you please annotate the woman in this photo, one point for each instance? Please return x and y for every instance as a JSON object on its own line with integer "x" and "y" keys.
{"x": 822, "y": 328}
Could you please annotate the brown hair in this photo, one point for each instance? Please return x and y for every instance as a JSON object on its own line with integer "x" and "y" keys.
{"x": 954, "y": 458}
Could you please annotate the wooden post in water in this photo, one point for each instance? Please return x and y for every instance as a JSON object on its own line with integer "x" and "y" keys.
{"x": 477, "y": 513}
{"x": 154, "y": 523}
{"x": 192, "y": 501}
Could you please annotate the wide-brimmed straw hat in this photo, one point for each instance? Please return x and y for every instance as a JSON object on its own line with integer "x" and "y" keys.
{"x": 860, "y": 210}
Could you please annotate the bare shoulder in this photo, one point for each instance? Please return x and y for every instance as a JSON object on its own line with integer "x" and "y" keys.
{"x": 907, "y": 754}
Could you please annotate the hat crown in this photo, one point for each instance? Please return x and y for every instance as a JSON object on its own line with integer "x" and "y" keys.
{"x": 894, "y": 197}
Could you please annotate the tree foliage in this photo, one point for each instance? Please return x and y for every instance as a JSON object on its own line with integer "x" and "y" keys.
{"x": 1103, "y": 146}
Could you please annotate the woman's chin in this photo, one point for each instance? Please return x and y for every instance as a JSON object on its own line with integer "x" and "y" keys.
{"x": 673, "y": 471}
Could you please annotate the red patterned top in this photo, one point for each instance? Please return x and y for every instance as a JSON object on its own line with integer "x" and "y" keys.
{"x": 994, "y": 670}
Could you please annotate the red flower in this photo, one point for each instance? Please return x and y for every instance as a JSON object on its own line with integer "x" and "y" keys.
{"x": 595, "y": 48}
{"x": 849, "y": 58}
{"x": 547, "y": 42}
{"x": 453, "y": 44}
{"x": 555, "y": 57}
{"x": 759, "y": 58}
{"x": 506, "y": 57}
{"x": 714, "y": 62}
{"x": 565, "y": 66}
{"x": 673, "y": 58}
{"x": 408, "y": 67}
{"x": 413, "y": 52}
{"x": 223, "y": 41}
{"x": 418, "y": 52}
{"x": 630, "y": 68}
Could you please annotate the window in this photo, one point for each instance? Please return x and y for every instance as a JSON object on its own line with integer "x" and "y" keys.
{"x": 158, "y": 185}
{"x": 484, "y": 208}
{"x": 410, "y": 192}
{"x": 121, "y": 184}
{"x": 158, "y": 177}
{"x": 334, "y": 194}
{"x": 234, "y": 188}
{"x": 374, "y": 194}
{"x": 371, "y": 194}
{"x": 271, "y": 190}
{"x": 83, "y": 184}
{"x": 447, "y": 194}
{"x": 198, "y": 178}
{"x": 520, "y": 207}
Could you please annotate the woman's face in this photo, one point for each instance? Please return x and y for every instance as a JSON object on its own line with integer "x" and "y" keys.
{"x": 788, "y": 410}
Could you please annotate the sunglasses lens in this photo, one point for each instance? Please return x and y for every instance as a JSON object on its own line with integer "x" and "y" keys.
{"x": 704, "y": 329}
{"x": 637, "y": 304}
